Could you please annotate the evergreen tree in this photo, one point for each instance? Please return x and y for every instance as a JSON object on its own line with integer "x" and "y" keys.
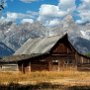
{"x": 2, "y": 5}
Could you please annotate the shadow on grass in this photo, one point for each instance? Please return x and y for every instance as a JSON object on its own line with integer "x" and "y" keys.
{"x": 42, "y": 86}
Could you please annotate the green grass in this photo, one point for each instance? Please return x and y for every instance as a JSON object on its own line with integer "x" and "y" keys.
{"x": 87, "y": 54}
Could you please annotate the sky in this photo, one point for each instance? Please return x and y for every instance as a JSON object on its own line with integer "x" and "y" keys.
{"x": 48, "y": 12}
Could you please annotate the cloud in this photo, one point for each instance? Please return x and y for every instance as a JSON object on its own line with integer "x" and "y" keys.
{"x": 79, "y": 21}
{"x": 48, "y": 12}
{"x": 33, "y": 14}
{"x": 85, "y": 5}
{"x": 51, "y": 11}
{"x": 28, "y": 1}
{"x": 53, "y": 22}
{"x": 84, "y": 11}
{"x": 27, "y": 20}
{"x": 67, "y": 5}
{"x": 23, "y": 17}
{"x": 12, "y": 16}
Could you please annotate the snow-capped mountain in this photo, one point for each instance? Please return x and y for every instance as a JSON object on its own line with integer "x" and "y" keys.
{"x": 14, "y": 36}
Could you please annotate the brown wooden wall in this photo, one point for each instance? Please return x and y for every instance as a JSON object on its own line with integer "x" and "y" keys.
{"x": 83, "y": 63}
{"x": 56, "y": 62}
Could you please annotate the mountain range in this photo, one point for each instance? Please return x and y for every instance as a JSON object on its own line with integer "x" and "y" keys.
{"x": 5, "y": 51}
{"x": 13, "y": 36}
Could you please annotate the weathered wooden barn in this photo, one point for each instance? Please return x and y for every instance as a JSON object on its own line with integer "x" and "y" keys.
{"x": 49, "y": 54}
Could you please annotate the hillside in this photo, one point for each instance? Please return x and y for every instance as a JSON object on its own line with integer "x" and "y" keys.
{"x": 4, "y": 50}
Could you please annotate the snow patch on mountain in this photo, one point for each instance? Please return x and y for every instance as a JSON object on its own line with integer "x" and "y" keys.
{"x": 85, "y": 34}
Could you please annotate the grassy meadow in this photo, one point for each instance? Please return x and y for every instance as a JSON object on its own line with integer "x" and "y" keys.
{"x": 45, "y": 80}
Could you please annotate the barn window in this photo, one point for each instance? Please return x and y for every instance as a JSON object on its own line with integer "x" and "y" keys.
{"x": 55, "y": 62}
{"x": 42, "y": 60}
{"x": 68, "y": 61}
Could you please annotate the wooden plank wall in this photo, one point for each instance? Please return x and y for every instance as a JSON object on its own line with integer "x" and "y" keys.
{"x": 83, "y": 63}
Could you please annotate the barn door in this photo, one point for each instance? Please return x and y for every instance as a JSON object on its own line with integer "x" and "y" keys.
{"x": 26, "y": 67}
{"x": 54, "y": 65}
{"x": 57, "y": 64}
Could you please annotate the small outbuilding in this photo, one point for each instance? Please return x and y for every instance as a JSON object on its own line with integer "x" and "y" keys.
{"x": 54, "y": 53}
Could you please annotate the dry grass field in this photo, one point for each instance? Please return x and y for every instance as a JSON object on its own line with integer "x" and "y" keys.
{"x": 44, "y": 78}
